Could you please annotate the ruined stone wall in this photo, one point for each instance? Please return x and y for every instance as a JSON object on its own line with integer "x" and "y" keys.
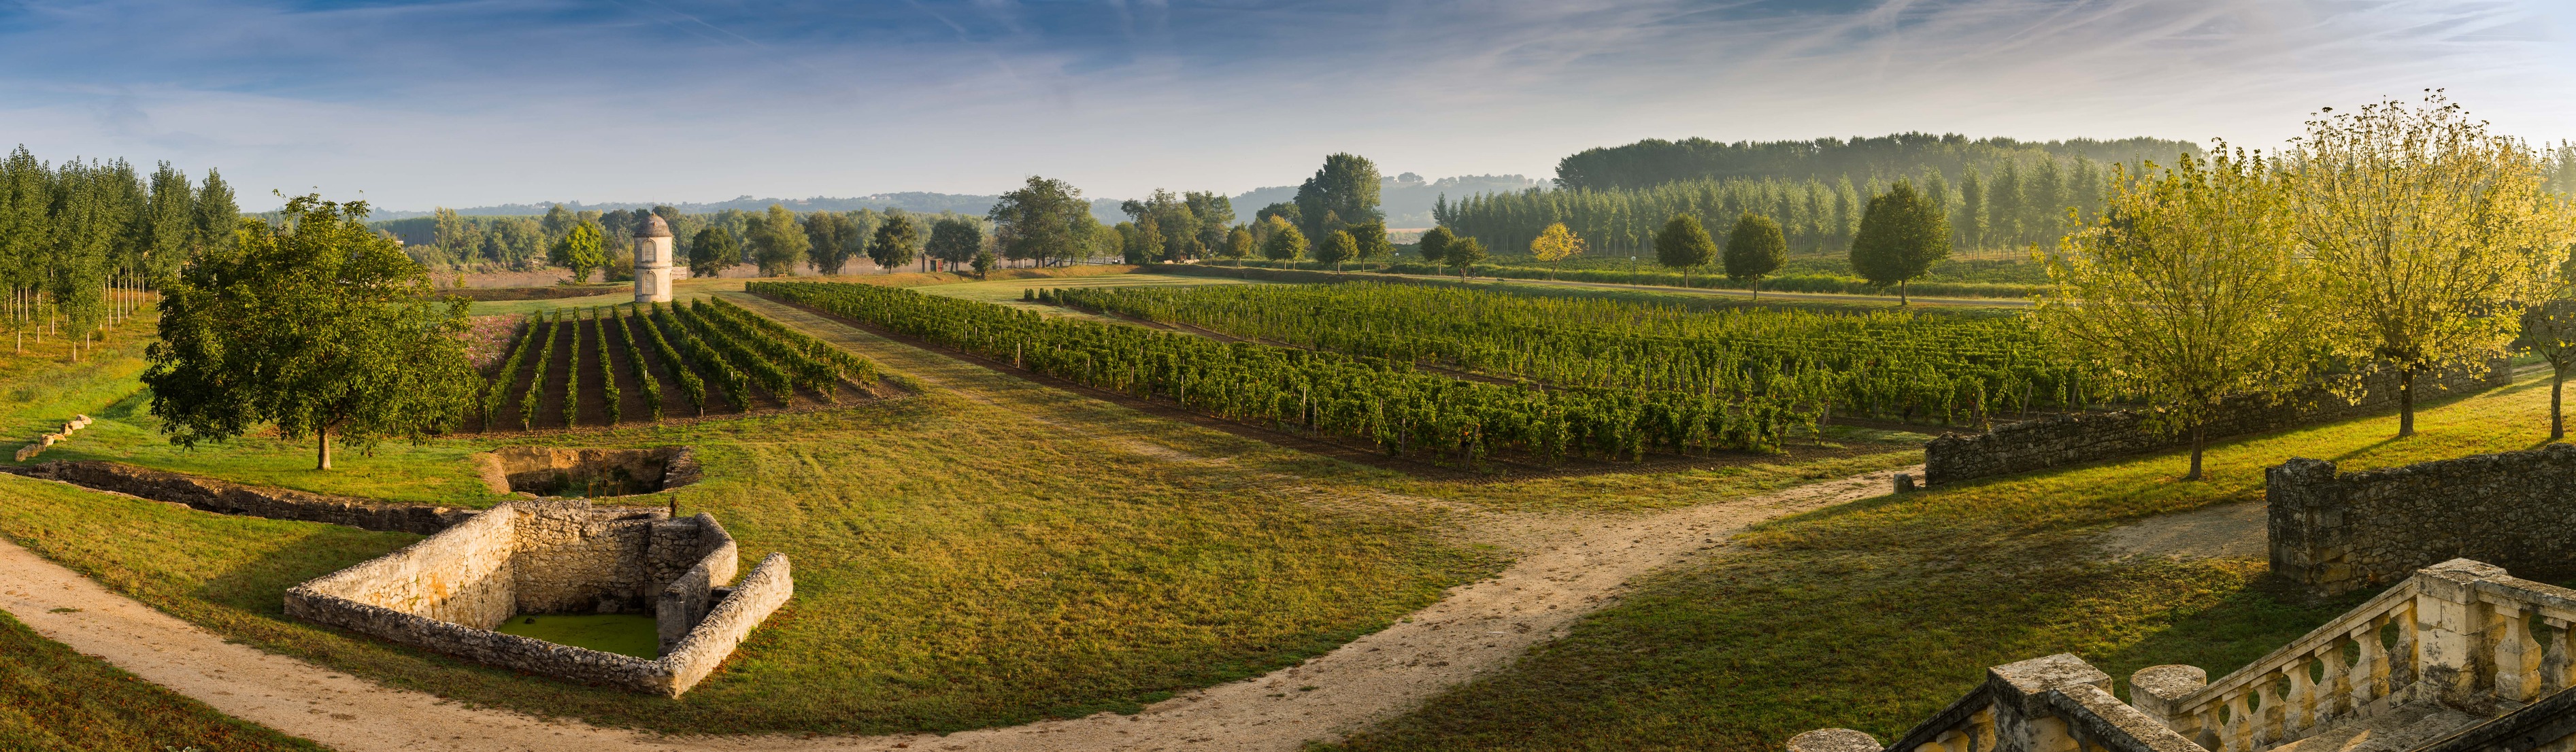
{"x": 571, "y": 559}
{"x": 690, "y": 592}
{"x": 462, "y": 575}
{"x": 2086, "y": 437}
{"x": 751, "y": 602}
{"x": 2339, "y": 532}
{"x": 226, "y": 497}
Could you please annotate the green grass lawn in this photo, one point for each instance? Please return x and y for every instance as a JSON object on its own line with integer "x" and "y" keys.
{"x": 623, "y": 634}
{"x": 1873, "y": 615}
{"x": 54, "y": 699}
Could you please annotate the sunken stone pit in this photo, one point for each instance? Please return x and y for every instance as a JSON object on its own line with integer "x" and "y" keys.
{"x": 550, "y": 471}
{"x": 554, "y": 556}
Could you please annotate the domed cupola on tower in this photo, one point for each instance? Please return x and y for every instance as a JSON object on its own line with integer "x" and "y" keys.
{"x": 653, "y": 260}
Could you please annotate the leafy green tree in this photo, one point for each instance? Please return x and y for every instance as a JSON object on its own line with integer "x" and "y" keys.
{"x": 1434, "y": 242}
{"x": 1684, "y": 245}
{"x": 713, "y": 251}
{"x": 955, "y": 240}
{"x": 1047, "y": 219}
{"x": 1755, "y": 249}
{"x": 777, "y": 243}
{"x": 984, "y": 263}
{"x": 1901, "y": 236}
{"x": 833, "y": 238}
{"x": 558, "y": 221}
{"x": 218, "y": 218}
{"x": 895, "y": 241}
{"x": 2415, "y": 265}
{"x": 2549, "y": 331}
{"x": 1337, "y": 248}
{"x": 1463, "y": 253}
{"x": 1554, "y": 245}
{"x": 1144, "y": 240}
{"x": 1238, "y": 244}
{"x": 579, "y": 251}
{"x": 167, "y": 229}
{"x": 1286, "y": 243}
{"x": 1372, "y": 241}
{"x": 1345, "y": 189}
{"x": 320, "y": 328}
{"x": 1215, "y": 214}
{"x": 2187, "y": 287}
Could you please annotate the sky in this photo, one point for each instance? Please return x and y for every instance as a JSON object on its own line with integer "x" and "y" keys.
{"x": 474, "y": 102}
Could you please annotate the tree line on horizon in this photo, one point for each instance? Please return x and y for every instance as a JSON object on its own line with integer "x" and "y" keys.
{"x": 81, "y": 241}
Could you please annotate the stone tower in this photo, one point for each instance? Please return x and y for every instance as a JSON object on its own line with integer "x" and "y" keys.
{"x": 653, "y": 260}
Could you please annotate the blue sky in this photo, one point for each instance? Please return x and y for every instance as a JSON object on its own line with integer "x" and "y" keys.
{"x": 493, "y": 101}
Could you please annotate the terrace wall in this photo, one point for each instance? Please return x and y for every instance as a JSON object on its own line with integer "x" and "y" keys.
{"x": 225, "y": 497}
{"x": 2087, "y": 437}
{"x": 2339, "y": 532}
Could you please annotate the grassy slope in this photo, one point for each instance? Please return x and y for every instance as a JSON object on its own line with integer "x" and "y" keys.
{"x": 54, "y": 699}
{"x": 1873, "y": 615}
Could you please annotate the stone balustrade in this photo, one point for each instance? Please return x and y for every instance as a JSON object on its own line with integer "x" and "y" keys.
{"x": 2461, "y": 633}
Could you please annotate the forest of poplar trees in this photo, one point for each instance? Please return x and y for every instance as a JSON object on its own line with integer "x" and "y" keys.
{"x": 81, "y": 240}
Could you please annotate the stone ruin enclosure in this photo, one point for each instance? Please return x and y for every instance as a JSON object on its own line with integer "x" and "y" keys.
{"x": 552, "y": 556}
{"x": 550, "y": 471}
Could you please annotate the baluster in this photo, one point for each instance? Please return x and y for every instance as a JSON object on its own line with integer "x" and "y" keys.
{"x": 2240, "y": 729}
{"x": 2406, "y": 660}
{"x": 2553, "y": 654}
{"x": 2370, "y": 668}
{"x": 2334, "y": 691}
{"x": 2295, "y": 710}
{"x": 2517, "y": 658}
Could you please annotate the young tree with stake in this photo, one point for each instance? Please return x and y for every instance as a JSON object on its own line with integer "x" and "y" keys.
{"x": 2187, "y": 289}
{"x": 319, "y": 328}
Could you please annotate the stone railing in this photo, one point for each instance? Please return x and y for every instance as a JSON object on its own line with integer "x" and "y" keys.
{"x": 2461, "y": 633}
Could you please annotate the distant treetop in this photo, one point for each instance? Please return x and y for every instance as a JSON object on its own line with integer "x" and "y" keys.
{"x": 1655, "y": 162}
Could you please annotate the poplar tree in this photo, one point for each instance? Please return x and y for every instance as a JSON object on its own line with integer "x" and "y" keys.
{"x": 1755, "y": 249}
{"x": 1900, "y": 237}
{"x": 2186, "y": 287}
{"x": 2424, "y": 230}
{"x": 320, "y": 328}
{"x": 1684, "y": 245}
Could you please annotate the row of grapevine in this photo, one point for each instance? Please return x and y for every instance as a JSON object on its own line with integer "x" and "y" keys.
{"x": 1886, "y": 364}
{"x": 734, "y": 346}
{"x": 1386, "y": 402}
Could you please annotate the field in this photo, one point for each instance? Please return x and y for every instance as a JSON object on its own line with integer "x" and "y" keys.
{"x": 54, "y": 699}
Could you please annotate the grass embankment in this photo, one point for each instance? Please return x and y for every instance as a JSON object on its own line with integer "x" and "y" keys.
{"x": 1875, "y": 614}
{"x": 54, "y": 699}
{"x": 960, "y": 563}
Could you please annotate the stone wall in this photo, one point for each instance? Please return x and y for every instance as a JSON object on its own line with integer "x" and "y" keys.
{"x": 2338, "y": 532}
{"x": 2086, "y": 437}
{"x": 445, "y": 592}
{"x": 226, "y": 497}
{"x": 554, "y": 471}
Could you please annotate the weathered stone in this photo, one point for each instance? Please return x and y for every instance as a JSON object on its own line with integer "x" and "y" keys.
{"x": 2338, "y": 532}
{"x": 227, "y": 497}
{"x": 1833, "y": 740}
{"x": 2086, "y": 437}
{"x": 552, "y": 471}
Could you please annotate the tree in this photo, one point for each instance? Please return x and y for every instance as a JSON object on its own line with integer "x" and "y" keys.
{"x": 1143, "y": 240}
{"x": 321, "y": 327}
{"x": 2549, "y": 330}
{"x": 894, "y": 242}
{"x": 579, "y": 251}
{"x": 1286, "y": 243}
{"x": 1755, "y": 249}
{"x": 955, "y": 240}
{"x": 984, "y": 263}
{"x": 2423, "y": 229}
{"x": 1238, "y": 244}
{"x": 1345, "y": 189}
{"x": 1434, "y": 242}
{"x": 2187, "y": 287}
{"x": 1684, "y": 245}
{"x": 1463, "y": 253}
{"x": 833, "y": 238}
{"x": 1554, "y": 245}
{"x": 218, "y": 219}
{"x": 1901, "y": 236}
{"x": 1337, "y": 248}
{"x": 558, "y": 221}
{"x": 713, "y": 251}
{"x": 1372, "y": 240}
{"x": 777, "y": 244}
{"x": 1047, "y": 219}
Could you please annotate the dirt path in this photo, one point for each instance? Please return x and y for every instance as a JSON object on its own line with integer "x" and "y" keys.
{"x": 1569, "y": 565}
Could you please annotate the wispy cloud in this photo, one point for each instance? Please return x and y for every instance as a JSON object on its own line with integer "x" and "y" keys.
{"x": 480, "y": 101}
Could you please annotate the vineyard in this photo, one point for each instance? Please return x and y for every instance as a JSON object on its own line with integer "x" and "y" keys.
{"x": 619, "y": 364}
{"x": 1886, "y": 365}
{"x": 1388, "y": 403}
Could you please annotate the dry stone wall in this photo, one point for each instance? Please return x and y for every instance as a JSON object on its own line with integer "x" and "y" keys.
{"x": 2087, "y": 437}
{"x": 226, "y": 497}
{"x": 2338, "y": 532}
{"x": 554, "y": 556}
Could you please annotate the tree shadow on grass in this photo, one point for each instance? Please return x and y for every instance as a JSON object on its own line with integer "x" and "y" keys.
{"x": 2230, "y": 632}
{"x": 259, "y": 584}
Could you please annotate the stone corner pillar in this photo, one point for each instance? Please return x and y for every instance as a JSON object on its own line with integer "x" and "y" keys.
{"x": 2450, "y": 628}
{"x": 1833, "y": 740}
{"x": 2304, "y": 530}
{"x": 2023, "y": 720}
{"x": 2154, "y": 690}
